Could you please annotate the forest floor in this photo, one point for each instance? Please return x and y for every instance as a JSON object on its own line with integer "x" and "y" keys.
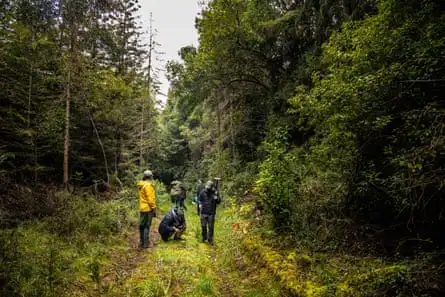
{"x": 90, "y": 248}
{"x": 189, "y": 267}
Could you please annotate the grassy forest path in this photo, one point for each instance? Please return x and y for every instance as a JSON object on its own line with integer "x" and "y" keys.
{"x": 191, "y": 268}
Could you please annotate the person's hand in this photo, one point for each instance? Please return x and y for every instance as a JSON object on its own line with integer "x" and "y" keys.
{"x": 176, "y": 229}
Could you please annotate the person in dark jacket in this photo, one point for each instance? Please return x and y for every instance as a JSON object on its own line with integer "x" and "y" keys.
{"x": 208, "y": 199}
{"x": 172, "y": 224}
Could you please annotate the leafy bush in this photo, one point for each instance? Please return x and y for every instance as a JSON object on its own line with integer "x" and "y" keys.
{"x": 277, "y": 184}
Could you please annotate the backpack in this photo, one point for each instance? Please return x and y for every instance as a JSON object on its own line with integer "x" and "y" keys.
{"x": 176, "y": 190}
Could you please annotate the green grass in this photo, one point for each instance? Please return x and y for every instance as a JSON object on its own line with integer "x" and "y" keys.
{"x": 89, "y": 248}
{"x": 192, "y": 269}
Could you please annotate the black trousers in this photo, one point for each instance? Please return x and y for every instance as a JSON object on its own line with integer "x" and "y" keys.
{"x": 144, "y": 227}
{"x": 176, "y": 235}
{"x": 207, "y": 226}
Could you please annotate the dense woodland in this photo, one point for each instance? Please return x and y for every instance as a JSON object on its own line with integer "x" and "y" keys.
{"x": 77, "y": 106}
{"x": 328, "y": 114}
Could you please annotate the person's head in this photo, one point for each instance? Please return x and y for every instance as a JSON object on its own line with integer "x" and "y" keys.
{"x": 148, "y": 175}
{"x": 210, "y": 185}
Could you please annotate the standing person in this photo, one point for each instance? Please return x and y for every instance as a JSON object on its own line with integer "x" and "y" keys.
{"x": 147, "y": 207}
{"x": 172, "y": 224}
{"x": 208, "y": 199}
{"x": 178, "y": 193}
{"x": 199, "y": 188}
{"x": 182, "y": 197}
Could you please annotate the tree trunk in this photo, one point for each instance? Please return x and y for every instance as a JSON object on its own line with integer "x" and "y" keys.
{"x": 73, "y": 37}
{"x": 150, "y": 52}
{"x": 67, "y": 130}
{"x": 101, "y": 146}
{"x": 28, "y": 122}
{"x": 220, "y": 142}
{"x": 141, "y": 156}
{"x": 117, "y": 152}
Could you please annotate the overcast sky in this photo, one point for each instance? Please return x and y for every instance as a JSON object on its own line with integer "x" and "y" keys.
{"x": 175, "y": 22}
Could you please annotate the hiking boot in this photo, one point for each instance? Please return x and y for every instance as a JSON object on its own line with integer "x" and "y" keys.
{"x": 149, "y": 245}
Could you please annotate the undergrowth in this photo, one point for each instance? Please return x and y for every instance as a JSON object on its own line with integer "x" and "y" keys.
{"x": 69, "y": 253}
{"x": 89, "y": 249}
{"x": 303, "y": 272}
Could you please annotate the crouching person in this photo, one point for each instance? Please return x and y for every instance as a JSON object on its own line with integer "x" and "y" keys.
{"x": 172, "y": 224}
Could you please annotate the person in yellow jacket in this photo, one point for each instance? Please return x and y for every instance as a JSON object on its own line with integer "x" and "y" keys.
{"x": 147, "y": 207}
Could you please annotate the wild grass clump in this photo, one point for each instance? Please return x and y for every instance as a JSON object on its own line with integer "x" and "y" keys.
{"x": 150, "y": 288}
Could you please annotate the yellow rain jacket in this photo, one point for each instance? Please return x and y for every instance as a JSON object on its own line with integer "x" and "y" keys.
{"x": 147, "y": 196}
